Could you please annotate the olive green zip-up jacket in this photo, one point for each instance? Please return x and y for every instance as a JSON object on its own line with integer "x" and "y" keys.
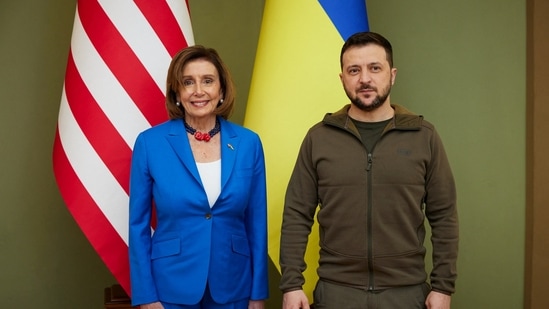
{"x": 372, "y": 206}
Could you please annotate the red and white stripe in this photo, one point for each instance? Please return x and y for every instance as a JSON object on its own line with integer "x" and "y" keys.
{"x": 114, "y": 89}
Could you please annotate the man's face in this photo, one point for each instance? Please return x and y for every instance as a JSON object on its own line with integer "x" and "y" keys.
{"x": 367, "y": 76}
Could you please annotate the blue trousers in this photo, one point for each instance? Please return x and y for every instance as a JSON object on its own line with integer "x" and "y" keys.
{"x": 208, "y": 303}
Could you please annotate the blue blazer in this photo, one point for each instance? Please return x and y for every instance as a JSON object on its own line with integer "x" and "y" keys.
{"x": 193, "y": 245}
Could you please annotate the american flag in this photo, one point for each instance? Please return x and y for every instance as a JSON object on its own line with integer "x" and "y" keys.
{"x": 114, "y": 88}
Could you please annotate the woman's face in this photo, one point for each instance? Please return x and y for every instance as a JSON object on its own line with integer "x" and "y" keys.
{"x": 200, "y": 91}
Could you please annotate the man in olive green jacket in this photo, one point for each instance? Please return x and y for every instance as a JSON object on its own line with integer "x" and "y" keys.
{"x": 375, "y": 170}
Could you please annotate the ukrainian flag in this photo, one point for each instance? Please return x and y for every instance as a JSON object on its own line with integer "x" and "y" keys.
{"x": 294, "y": 83}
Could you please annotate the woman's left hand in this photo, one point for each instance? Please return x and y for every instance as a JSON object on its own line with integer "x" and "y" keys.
{"x": 256, "y": 304}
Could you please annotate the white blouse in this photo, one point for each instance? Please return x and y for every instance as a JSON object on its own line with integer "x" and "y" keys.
{"x": 210, "y": 173}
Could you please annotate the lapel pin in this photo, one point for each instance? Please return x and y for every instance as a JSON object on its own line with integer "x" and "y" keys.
{"x": 230, "y": 146}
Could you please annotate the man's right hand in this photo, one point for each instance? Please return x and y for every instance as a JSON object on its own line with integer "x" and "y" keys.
{"x": 295, "y": 300}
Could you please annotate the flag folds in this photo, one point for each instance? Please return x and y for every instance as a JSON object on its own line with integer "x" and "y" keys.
{"x": 295, "y": 82}
{"x": 114, "y": 88}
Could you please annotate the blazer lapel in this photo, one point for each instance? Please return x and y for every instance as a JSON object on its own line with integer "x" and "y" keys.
{"x": 177, "y": 137}
{"x": 229, "y": 148}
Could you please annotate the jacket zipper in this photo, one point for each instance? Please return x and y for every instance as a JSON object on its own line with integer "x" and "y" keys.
{"x": 369, "y": 224}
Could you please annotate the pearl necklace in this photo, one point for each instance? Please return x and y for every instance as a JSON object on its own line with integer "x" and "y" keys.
{"x": 201, "y": 136}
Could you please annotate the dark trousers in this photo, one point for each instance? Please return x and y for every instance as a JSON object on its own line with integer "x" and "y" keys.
{"x": 333, "y": 296}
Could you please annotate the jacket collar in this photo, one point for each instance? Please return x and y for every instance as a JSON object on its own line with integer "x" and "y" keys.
{"x": 177, "y": 137}
{"x": 403, "y": 119}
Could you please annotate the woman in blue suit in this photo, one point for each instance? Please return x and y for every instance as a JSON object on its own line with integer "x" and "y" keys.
{"x": 206, "y": 178}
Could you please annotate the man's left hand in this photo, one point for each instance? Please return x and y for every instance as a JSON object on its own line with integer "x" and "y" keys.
{"x": 436, "y": 300}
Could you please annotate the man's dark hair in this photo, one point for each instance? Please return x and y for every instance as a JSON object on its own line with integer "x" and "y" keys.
{"x": 366, "y": 38}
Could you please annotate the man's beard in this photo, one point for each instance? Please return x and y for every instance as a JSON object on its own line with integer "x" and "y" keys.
{"x": 376, "y": 103}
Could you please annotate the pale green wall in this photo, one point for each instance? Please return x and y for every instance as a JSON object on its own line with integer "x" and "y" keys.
{"x": 461, "y": 64}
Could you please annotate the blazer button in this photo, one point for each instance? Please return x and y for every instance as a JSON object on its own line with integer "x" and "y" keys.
{"x": 208, "y": 216}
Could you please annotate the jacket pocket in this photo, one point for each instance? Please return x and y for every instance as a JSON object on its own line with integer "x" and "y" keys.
{"x": 165, "y": 248}
{"x": 240, "y": 245}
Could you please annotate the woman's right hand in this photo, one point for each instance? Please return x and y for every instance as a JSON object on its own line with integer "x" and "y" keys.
{"x": 156, "y": 305}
